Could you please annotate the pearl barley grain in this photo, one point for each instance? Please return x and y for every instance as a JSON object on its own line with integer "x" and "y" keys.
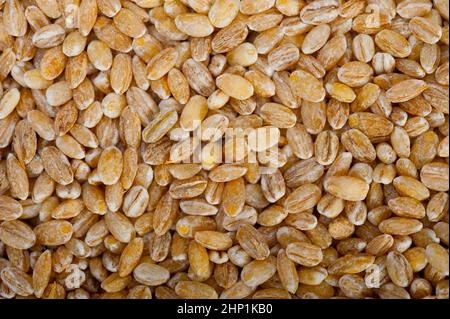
{"x": 201, "y": 149}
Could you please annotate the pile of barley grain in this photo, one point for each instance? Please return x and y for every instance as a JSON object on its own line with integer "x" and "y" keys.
{"x": 338, "y": 180}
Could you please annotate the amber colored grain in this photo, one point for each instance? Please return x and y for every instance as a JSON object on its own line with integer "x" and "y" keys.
{"x": 196, "y": 149}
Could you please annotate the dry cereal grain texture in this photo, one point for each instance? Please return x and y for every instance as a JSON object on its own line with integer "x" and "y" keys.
{"x": 203, "y": 149}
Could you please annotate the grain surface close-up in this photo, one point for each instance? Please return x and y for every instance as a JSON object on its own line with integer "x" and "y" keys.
{"x": 231, "y": 149}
